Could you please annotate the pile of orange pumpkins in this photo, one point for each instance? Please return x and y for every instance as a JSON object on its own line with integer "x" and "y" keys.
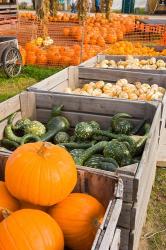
{"x": 57, "y": 55}
{"x": 98, "y": 30}
{"x": 37, "y": 208}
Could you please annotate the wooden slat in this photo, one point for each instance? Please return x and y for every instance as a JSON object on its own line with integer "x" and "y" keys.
{"x": 125, "y": 216}
{"x": 51, "y": 81}
{"x": 94, "y": 105}
{"x": 73, "y": 77}
{"x": 116, "y": 241}
{"x": 130, "y": 190}
{"x": 60, "y": 87}
{"x": 10, "y": 106}
{"x": 76, "y": 117}
{"x": 112, "y": 224}
{"x": 163, "y": 137}
{"x": 28, "y": 105}
{"x": 124, "y": 239}
{"x": 144, "y": 168}
{"x": 161, "y": 157}
{"x": 114, "y": 75}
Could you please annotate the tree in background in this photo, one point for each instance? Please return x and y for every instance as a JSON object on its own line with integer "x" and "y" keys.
{"x": 33, "y": 3}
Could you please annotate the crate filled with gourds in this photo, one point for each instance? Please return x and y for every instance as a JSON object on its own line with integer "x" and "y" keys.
{"x": 120, "y": 144}
{"x": 121, "y": 89}
{"x": 42, "y": 204}
{"x": 132, "y": 63}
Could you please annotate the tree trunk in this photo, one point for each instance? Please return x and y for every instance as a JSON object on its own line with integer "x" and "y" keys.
{"x": 53, "y": 7}
{"x": 33, "y": 2}
{"x": 42, "y": 8}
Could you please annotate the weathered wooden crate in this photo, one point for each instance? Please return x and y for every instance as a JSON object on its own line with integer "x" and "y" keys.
{"x": 74, "y": 77}
{"x": 99, "y": 58}
{"x": 137, "y": 179}
{"x": 108, "y": 189}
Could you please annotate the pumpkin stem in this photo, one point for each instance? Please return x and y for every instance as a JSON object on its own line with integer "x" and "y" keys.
{"x": 5, "y": 213}
{"x": 43, "y": 148}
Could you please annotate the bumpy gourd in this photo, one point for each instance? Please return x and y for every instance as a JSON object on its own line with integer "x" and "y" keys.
{"x": 21, "y": 124}
{"x": 61, "y": 137}
{"x": 35, "y": 128}
{"x": 94, "y": 124}
{"x": 98, "y": 161}
{"x": 120, "y": 125}
{"x": 83, "y": 131}
{"x": 118, "y": 151}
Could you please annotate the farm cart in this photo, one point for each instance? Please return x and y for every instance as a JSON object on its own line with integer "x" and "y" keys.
{"x": 10, "y": 57}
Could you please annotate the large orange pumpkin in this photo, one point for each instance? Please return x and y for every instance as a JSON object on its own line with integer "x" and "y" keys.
{"x": 40, "y": 173}
{"x": 79, "y": 217}
{"x": 6, "y": 200}
{"x": 29, "y": 229}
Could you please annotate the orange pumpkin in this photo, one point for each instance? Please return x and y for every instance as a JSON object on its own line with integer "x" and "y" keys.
{"x": 31, "y": 58}
{"x": 29, "y": 229}
{"x": 40, "y": 173}
{"x": 79, "y": 217}
{"x": 42, "y": 59}
{"x": 6, "y": 200}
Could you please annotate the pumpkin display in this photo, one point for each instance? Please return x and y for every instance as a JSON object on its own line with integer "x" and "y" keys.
{"x": 31, "y": 58}
{"x": 6, "y": 200}
{"x": 79, "y": 217}
{"x": 40, "y": 173}
{"x": 29, "y": 229}
{"x": 129, "y": 48}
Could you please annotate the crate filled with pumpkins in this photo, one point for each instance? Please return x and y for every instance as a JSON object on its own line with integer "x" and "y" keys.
{"x": 46, "y": 202}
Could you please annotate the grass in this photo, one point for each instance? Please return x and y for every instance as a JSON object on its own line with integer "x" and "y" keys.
{"x": 29, "y": 76}
{"x": 154, "y": 233}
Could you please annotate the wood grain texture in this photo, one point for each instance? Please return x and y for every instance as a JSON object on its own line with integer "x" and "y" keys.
{"x": 116, "y": 241}
{"x": 114, "y": 75}
{"x": 124, "y": 239}
{"x": 161, "y": 157}
{"x": 9, "y": 106}
{"x": 96, "y": 105}
{"x": 51, "y": 82}
{"x": 28, "y": 105}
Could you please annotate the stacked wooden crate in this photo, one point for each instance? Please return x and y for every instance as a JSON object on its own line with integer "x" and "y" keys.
{"x": 8, "y": 12}
{"x": 137, "y": 179}
{"x": 105, "y": 186}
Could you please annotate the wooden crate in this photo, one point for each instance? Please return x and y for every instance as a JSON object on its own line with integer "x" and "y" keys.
{"x": 137, "y": 179}
{"x": 108, "y": 189}
{"x": 97, "y": 59}
{"x": 74, "y": 77}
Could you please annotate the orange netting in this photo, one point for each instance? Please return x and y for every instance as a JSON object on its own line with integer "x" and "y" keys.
{"x": 151, "y": 34}
{"x": 63, "y": 40}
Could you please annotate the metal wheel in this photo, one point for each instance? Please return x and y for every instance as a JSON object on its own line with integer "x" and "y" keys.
{"x": 12, "y": 61}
